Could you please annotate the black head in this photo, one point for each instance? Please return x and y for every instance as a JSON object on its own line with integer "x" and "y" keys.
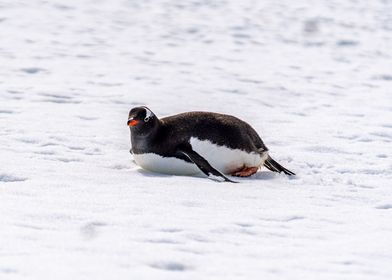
{"x": 142, "y": 120}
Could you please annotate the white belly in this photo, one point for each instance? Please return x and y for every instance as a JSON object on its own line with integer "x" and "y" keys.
{"x": 224, "y": 159}
{"x": 221, "y": 158}
{"x": 166, "y": 165}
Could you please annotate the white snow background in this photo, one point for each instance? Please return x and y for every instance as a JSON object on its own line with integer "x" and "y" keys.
{"x": 314, "y": 78}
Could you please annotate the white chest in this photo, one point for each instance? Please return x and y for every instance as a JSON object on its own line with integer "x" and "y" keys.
{"x": 166, "y": 165}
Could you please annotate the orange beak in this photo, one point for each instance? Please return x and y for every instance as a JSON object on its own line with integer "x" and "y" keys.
{"x": 133, "y": 122}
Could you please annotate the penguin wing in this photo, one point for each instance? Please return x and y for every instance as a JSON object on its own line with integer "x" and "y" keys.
{"x": 204, "y": 165}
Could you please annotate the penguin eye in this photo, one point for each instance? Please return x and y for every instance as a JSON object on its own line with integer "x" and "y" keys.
{"x": 146, "y": 119}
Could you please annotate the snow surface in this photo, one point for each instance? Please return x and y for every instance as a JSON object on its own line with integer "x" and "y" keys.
{"x": 313, "y": 77}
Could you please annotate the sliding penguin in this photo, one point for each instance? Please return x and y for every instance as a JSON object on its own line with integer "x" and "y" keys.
{"x": 198, "y": 142}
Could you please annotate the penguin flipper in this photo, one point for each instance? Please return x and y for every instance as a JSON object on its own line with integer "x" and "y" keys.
{"x": 204, "y": 165}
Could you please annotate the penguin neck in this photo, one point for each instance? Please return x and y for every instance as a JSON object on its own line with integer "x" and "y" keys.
{"x": 143, "y": 140}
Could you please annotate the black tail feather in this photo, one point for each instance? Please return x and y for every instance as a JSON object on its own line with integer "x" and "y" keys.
{"x": 276, "y": 167}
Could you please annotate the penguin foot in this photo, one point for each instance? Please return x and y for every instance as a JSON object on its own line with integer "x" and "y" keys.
{"x": 245, "y": 172}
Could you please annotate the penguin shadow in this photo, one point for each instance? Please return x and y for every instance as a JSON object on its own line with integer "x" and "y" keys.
{"x": 147, "y": 173}
{"x": 261, "y": 175}
{"x": 264, "y": 175}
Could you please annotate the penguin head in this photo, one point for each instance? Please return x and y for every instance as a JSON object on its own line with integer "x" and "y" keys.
{"x": 142, "y": 120}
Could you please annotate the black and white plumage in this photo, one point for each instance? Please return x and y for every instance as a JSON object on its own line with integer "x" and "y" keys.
{"x": 198, "y": 142}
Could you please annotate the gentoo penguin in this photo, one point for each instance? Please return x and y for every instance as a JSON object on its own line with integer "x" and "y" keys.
{"x": 198, "y": 142}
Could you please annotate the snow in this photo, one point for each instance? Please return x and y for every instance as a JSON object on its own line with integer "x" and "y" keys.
{"x": 313, "y": 77}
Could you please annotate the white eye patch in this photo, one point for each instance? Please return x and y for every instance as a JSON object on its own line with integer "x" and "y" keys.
{"x": 148, "y": 114}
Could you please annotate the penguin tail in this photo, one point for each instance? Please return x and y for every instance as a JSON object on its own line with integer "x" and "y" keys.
{"x": 272, "y": 165}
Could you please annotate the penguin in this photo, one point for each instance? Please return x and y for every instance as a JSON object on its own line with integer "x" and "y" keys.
{"x": 195, "y": 143}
